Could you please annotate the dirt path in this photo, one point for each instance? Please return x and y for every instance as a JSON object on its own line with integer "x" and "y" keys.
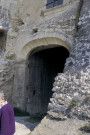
{"x": 23, "y": 127}
{"x": 49, "y": 126}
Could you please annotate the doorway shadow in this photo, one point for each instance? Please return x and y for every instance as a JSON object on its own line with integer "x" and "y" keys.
{"x": 26, "y": 123}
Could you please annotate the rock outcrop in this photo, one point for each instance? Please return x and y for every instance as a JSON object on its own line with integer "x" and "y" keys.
{"x": 71, "y": 91}
{"x": 28, "y": 30}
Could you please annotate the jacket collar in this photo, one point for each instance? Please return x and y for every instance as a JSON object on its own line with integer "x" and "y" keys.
{"x": 2, "y": 104}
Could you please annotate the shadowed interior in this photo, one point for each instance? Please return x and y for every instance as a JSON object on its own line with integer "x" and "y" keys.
{"x": 43, "y": 67}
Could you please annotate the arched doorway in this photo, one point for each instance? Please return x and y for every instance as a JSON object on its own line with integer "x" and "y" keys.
{"x": 43, "y": 66}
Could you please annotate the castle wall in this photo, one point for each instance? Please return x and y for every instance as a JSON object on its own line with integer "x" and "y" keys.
{"x": 50, "y": 28}
{"x": 71, "y": 97}
{"x": 32, "y": 26}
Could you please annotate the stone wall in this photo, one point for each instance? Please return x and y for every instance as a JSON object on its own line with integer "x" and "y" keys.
{"x": 71, "y": 97}
{"x": 25, "y": 29}
{"x": 39, "y": 28}
{"x": 22, "y": 20}
{"x": 6, "y": 58}
{"x": 6, "y": 77}
{"x": 26, "y": 23}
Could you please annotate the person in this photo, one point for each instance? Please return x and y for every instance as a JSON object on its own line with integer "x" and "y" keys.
{"x": 7, "y": 120}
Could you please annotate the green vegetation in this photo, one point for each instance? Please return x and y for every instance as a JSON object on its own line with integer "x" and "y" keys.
{"x": 86, "y": 127}
{"x": 29, "y": 134}
{"x": 34, "y": 119}
{"x": 87, "y": 98}
{"x": 20, "y": 113}
{"x": 73, "y": 103}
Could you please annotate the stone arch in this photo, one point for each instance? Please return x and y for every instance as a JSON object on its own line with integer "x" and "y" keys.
{"x": 43, "y": 39}
{"x": 25, "y": 46}
{"x": 36, "y": 47}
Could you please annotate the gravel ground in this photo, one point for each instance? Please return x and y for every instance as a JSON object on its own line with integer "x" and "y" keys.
{"x": 23, "y": 127}
{"x": 49, "y": 126}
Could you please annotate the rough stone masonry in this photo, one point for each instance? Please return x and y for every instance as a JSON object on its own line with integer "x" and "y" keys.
{"x": 26, "y": 30}
{"x": 71, "y": 91}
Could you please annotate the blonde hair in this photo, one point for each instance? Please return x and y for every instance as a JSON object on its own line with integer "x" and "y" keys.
{"x": 2, "y": 95}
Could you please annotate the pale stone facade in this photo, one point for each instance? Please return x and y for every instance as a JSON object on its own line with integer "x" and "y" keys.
{"x": 30, "y": 28}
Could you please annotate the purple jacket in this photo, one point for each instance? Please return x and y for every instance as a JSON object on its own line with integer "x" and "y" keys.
{"x": 7, "y": 121}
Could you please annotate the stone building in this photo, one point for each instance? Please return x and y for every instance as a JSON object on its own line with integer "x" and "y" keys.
{"x": 45, "y": 56}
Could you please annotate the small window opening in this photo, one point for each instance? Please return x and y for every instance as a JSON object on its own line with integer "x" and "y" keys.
{"x": 53, "y": 3}
{"x": 34, "y": 92}
{"x": 1, "y": 34}
{"x": 3, "y": 38}
{"x": 35, "y": 30}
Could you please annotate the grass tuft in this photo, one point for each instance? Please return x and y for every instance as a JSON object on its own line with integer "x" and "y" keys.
{"x": 29, "y": 134}
{"x": 86, "y": 128}
{"x": 34, "y": 119}
{"x": 20, "y": 113}
{"x": 73, "y": 103}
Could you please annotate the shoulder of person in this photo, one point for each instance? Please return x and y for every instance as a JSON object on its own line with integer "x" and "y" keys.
{"x": 7, "y": 106}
